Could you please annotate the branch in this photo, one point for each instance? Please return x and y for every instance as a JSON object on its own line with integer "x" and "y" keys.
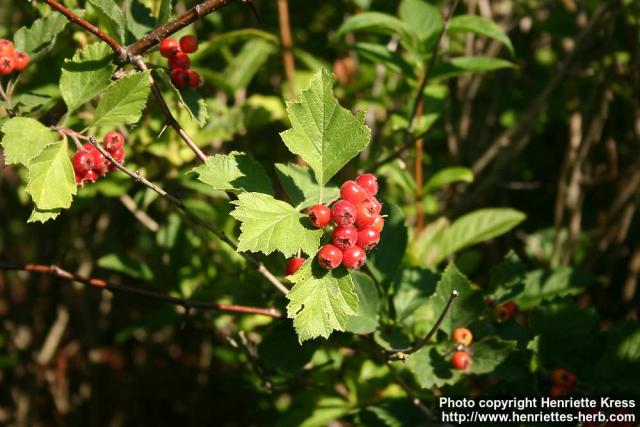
{"x": 410, "y": 394}
{"x": 54, "y": 270}
{"x": 118, "y": 49}
{"x": 192, "y": 216}
{"x": 418, "y": 345}
{"x": 408, "y": 139}
{"x": 156, "y": 36}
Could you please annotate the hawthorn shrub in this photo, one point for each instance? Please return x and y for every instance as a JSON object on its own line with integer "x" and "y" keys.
{"x": 244, "y": 213}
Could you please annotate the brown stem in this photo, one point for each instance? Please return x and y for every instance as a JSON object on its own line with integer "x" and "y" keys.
{"x": 410, "y": 394}
{"x": 192, "y": 216}
{"x": 156, "y": 36}
{"x": 418, "y": 179}
{"x": 120, "y": 51}
{"x": 54, "y": 270}
{"x": 287, "y": 46}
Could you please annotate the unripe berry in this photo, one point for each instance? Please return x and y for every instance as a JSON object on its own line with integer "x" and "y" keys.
{"x": 320, "y": 215}
{"x": 7, "y": 65}
{"x": 293, "y": 265}
{"x": 329, "y": 256}
{"x": 189, "y": 44}
{"x": 354, "y": 193}
{"x": 354, "y": 257}
{"x": 193, "y": 79}
{"x": 179, "y": 78}
{"x": 369, "y": 182}
{"x": 460, "y": 360}
{"x": 6, "y": 48}
{"x": 344, "y": 236}
{"x": 112, "y": 141}
{"x": 82, "y": 162}
{"x": 462, "y": 336}
{"x": 378, "y": 223}
{"x": 364, "y": 216}
{"x": 169, "y": 47}
{"x": 179, "y": 60}
{"x": 21, "y": 60}
{"x": 343, "y": 213}
{"x": 368, "y": 238}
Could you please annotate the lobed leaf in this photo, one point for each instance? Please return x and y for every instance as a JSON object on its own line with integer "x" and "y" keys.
{"x": 24, "y": 139}
{"x": 51, "y": 179}
{"x": 40, "y": 37}
{"x": 124, "y": 101}
{"x": 236, "y": 172}
{"x": 301, "y": 186}
{"x": 481, "y": 26}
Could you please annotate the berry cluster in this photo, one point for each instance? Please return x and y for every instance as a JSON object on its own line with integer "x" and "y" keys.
{"x": 181, "y": 75}
{"x": 562, "y": 382}
{"x": 89, "y": 164}
{"x": 461, "y": 358}
{"x": 10, "y": 59}
{"x": 356, "y": 228}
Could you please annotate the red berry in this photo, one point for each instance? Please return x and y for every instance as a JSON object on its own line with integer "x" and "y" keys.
{"x": 354, "y": 193}
{"x": 558, "y": 390}
{"x": 344, "y": 236}
{"x": 369, "y": 182}
{"x": 374, "y": 206}
{"x": 193, "y": 79}
{"x": 189, "y": 44}
{"x": 563, "y": 377}
{"x": 343, "y": 213}
{"x": 7, "y": 65}
{"x": 90, "y": 176}
{"x": 22, "y": 61}
{"x": 99, "y": 161}
{"x": 354, "y": 257}
{"x": 460, "y": 360}
{"x": 82, "y": 162}
{"x": 179, "y": 78}
{"x": 368, "y": 238}
{"x": 378, "y": 223}
{"x": 364, "y": 215}
{"x": 506, "y": 310}
{"x": 329, "y": 256}
{"x": 169, "y": 47}
{"x": 7, "y": 48}
{"x": 118, "y": 156}
{"x": 112, "y": 141}
{"x": 293, "y": 265}
{"x": 179, "y": 60}
{"x": 462, "y": 336}
{"x": 319, "y": 215}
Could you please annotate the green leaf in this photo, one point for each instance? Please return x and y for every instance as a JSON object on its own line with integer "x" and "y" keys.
{"x": 236, "y": 172}
{"x": 466, "y": 307}
{"x": 324, "y": 134}
{"x": 187, "y": 98}
{"x": 248, "y": 62}
{"x": 321, "y": 300}
{"x": 272, "y": 225}
{"x": 124, "y": 101}
{"x": 412, "y": 288}
{"x": 124, "y": 264}
{"x": 86, "y": 75}
{"x": 164, "y": 12}
{"x": 24, "y": 139}
{"x": 385, "y": 259}
{"x": 431, "y": 369}
{"x": 447, "y": 176}
{"x": 377, "y": 23}
{"x": 38, "y": 215}
{"x": 40, "y": 37}
{"x": 506, "y": 279}
{"x": 229, "y": 38}
{"x": 380, "y": 54}
{"x": 139, "y": 20}
{"x": 541, "y": 285}
{"x": 488, "y": 353}
{"x": 366, "y": 321}
{"x": 479, "y": 25}
{"x": 301, "y": 186}
{"x": 423, "y": 19}
{"x": 469, "y": 64}
{"x": 112, "y": 12}
{"x": 476, "y": 227}
{"x": 52, "y": 182}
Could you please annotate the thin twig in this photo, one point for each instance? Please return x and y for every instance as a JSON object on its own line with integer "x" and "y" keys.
{"x": 54, "y": 270}
{"x": 424, "y": 341}
{"x": 414, "y": 399}
{"x": 287, "y": 46}
{"x": 140, "y": 215}
{"x": 192, "y": 216}
{"x": 118, "y": 49}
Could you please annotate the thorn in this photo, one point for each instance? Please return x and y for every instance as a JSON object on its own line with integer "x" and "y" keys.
{"x": 162, "y": 130}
